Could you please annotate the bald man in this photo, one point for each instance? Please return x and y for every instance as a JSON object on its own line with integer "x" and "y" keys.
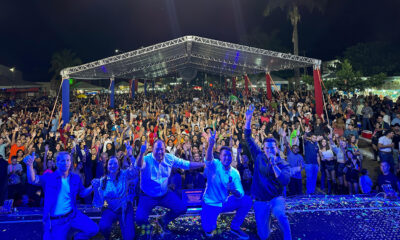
{"x": 155, "y": 170}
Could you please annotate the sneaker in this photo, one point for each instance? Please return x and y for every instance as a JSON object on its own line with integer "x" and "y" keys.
{"x": 146, "y": 232}
{"x": 163, "y": 226}
{"x": 239, "y": 233}
{"x": 207, "y": 235}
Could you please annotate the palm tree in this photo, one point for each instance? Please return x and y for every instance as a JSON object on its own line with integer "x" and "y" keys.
{"x": 60, "y": 60}
{"x": 291, "y": 7}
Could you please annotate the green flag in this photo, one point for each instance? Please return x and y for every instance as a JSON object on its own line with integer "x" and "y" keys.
{"x": 233, "y": 98}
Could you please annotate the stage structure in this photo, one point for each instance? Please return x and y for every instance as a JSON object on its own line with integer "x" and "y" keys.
{"x": 190, "y": 54}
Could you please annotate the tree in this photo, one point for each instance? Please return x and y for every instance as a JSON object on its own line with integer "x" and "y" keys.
{"x": 291, "y": 7}
{"x": 372, "y": 58}
{"x": 59, "y": 61}
{"x": 349, "y": 80}
{"x": 376, "y": 80}
{"x": 346, "y": 79}
{"x": 309, "y": 80}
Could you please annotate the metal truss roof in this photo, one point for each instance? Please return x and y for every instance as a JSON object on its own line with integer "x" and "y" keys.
{"x": 189, "y": 53}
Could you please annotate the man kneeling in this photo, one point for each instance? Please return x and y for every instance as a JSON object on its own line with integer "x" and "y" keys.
{"x": 223, "y": 180}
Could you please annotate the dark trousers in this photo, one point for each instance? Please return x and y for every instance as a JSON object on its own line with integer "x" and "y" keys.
{"x": 323, "y": 175}
{"x": 170, "y": 200}
{"x": 108, "y": 217}
{"x": 295, "y": 187}
{"x": 59, "y": 229}
{"x": 209, "y": 214}
{"x": 15, "y": 191}
{"x": 3, "y": 191}
{"x": 366, "y": 124}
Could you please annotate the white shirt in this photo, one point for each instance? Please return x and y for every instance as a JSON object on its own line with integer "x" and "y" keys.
{"x": 385, "y": 141}
{"x": 386, "y": 118}
{"x": 63, "y": 205}
{"x": 154, "y": 175}
{"x": 234, "y": 154}
{"x": 219, "y": 182}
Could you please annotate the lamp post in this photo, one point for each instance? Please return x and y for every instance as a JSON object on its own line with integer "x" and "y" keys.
{"x": 13, "y": 79}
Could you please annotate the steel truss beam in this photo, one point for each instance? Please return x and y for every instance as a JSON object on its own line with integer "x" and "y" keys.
{"x": 191, "y": 49}
{"x": 258, "y": 51}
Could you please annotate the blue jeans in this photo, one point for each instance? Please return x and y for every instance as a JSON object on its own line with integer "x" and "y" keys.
{"x": 263, "y": 211}
{"x": 170, "y": 200}
{"x": 295, "y": 187}
{"x": 323, "y": 175}
{"x": 59, "y": 229}
{"x": 108, "y": 217}
{"x": 366, "y": 124}
{"x": 311, "y": 177}
{"x": 209, "y": 214}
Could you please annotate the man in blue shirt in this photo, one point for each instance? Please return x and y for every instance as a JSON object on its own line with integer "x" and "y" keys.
{"x": 155, "y": 170}
{"x": 224, "y": 192}
{"x": 296, "y": 162}
{"x": 311, "y": 162}
{"x": 271, "y": 175}
{"x": 60, "y": 213}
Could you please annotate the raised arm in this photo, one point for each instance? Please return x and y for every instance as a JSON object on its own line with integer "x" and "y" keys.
{"x": 13, "y": 135}
{"x": 254, "y": 149}
{"x": 32, "y": 177}
{"x": 211, "y": 142}
{"x": 139, "y": 160}
{"x": 46, "y": 149}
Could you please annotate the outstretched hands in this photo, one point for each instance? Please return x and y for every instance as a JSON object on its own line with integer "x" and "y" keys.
{"x": 96, "y": 183}
{"x": 143, "y": 148}
{"x": 250, "y": 111}
{"x": 29, "y": 159}
{"x": 211, "y": 139}
{"x": 128, "y": 148}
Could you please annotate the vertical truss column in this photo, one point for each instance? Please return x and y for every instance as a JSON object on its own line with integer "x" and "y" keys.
{"x": 65, "y": 99}
{"x": 112, "y": 86}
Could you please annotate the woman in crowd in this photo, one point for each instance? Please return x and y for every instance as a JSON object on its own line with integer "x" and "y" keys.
{"x": 327, "y": 164}
{"x": 352, "y": 170}
{"x": 113, "y": 189}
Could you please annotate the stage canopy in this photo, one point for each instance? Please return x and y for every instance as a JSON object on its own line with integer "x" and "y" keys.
{"x": 189, "y": 54}
{"x": 186, "y": 56}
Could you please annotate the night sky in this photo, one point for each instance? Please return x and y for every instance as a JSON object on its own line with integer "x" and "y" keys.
{"x": 32, "y": 30}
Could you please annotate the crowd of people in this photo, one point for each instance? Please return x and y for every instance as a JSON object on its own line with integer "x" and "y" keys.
{"x": 100, "y": 140}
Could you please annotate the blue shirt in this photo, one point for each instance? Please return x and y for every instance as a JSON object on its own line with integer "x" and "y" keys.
{"x": 311, "y": 152}
{"x": 51, "y": 184}
{"x": 154, "y": 175}
{"x": 394, "y": 121}
{"x": 295, "y": 160}
{"x": 219, "y": 182}
{"x": 116, "y": 193}
{"x": 54, "y": 125}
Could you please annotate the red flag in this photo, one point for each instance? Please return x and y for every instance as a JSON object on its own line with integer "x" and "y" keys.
{"x": 269, "y": 90}
{"x": 318, "y": 92}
